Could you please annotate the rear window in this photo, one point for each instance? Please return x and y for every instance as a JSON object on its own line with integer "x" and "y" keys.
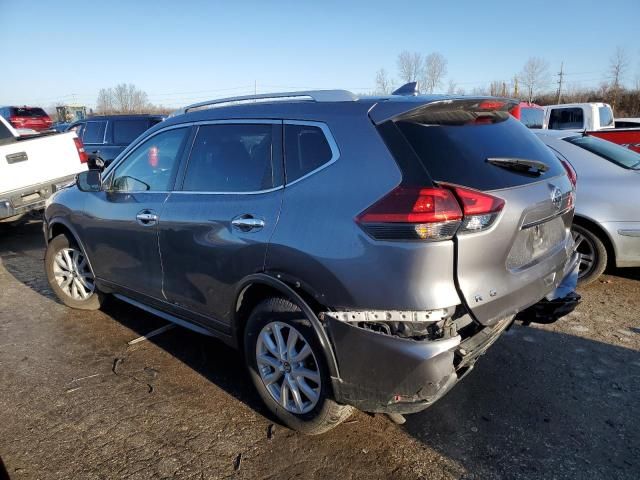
{"x": 306, "y": 149}
{"x": 126, "y": 131}
{"x": 94, "y": 132}
{"x": 458, "y": 153}
{"x": 608, "y": 150}
{"x": 27, "y": 112}
{"x": 606, "y": 116}
{"x": 532, "y": 117}
{"x": 566, "y": 118}
{"x": 627, "y": 124}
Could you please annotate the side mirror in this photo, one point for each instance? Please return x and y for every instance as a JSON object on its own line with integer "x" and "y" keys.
{"x": 89, "y": 181}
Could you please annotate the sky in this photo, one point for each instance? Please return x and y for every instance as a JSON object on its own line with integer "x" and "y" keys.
{"x": 181, "y": 52}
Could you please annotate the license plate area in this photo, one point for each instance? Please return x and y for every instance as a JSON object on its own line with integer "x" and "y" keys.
{"x": 534, "y": 243}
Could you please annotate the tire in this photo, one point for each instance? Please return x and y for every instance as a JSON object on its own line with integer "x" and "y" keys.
{"x": 314, "y": 418}
{"x": 594, "y": 251}
{"x": 57, "y": 268}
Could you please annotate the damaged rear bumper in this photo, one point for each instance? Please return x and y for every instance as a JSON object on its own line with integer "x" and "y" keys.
{"x": 562, "y": 301}
{"x": 387, "y": 374}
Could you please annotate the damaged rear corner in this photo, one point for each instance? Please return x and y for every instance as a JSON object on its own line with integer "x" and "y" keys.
{"x": 404, "y": 361}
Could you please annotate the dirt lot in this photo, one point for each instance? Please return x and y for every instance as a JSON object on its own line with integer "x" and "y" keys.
{"x": 76, "y": 402}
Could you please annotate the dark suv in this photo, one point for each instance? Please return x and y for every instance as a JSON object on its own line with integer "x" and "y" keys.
{"x": 361, "y": 251}
{"x": 105, "y": 137}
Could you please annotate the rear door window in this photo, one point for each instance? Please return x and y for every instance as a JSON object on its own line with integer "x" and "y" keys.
{"x": 566, "y": 118}
{"x": 94, "y": 132}
{"x": 236, "y": 158}
{"x": 126, "y": 131}
{"x": 459, "y": 154}
{"x": 306, "y": 149}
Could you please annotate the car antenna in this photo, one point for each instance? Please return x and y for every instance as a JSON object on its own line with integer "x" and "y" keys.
{"x": 408, "y": 89}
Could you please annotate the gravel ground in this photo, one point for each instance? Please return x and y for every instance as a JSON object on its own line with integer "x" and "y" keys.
{"x": 552, "y": 402}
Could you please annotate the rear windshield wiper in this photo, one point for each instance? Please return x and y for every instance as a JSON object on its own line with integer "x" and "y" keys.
{"x": 520, "y": 165}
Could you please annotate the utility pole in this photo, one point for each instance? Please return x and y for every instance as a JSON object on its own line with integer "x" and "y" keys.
{"x": 560, "y": 77}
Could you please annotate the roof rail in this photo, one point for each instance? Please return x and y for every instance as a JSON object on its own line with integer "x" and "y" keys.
{"x": 311, "y": 95}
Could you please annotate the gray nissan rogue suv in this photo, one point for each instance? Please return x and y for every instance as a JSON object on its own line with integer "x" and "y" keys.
{"x": 362, "y": 252}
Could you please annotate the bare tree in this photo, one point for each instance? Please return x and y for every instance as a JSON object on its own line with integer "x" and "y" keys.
{"x": 410, "y": 66}
{"x": 451, "y": 89}
{"x": 618, "y": 64}
{"x": 534, "y": 76}
{"x": 104, "y": 104}
{"x": 383, "y": 82}
{"x": 123, "y": 98}
{"x": 434, "y": 70}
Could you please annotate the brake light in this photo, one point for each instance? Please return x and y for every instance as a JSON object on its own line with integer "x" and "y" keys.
{"x": 571, "y": 172}
{"x": 16, "y": 121}
{"x": 491, "y": 105}
{"x": 84, "y": 158}
{"x": 480, "y": 209}
{"x": 413, "y": 213}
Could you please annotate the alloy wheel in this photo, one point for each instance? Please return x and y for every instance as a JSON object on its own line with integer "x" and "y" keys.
{"x": 72, "y": 274}
{"x": 587, "y": 250}
{"x": 288, "y": 367}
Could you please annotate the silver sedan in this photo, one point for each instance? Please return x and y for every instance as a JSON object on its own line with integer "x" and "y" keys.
{"x": 607, "y": 220}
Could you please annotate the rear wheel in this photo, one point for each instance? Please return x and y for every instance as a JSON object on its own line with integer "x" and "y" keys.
{"x": 593, "y": 254}
{"x": 70, "y": 275}
{"x": 288, "y": 368}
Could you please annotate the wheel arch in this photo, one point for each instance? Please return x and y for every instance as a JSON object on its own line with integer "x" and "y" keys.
{"x": 601, "y": 233}
{"x": 59, "y": 225}
{"x": 260, "y": 286}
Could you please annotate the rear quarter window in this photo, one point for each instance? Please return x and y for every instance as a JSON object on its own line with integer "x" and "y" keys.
{"x": 458, "y": 153}
{"x": 306, "y": 149}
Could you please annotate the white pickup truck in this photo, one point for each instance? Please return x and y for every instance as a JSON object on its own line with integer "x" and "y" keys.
{"x": 595, "y": 119}
{"x": 32, "y": 168}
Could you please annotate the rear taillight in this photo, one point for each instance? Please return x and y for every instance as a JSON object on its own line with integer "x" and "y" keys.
{"x": 571, "y": 172}
{"x": 16, "y": 121}
{"x": 84, "y": 158}
{"x": 480, "y": 209}
{"x": 413, "y": 213}
{"x": 435, "y": 213}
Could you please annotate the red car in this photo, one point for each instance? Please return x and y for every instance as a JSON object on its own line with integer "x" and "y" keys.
{"x": 530, "y": 114}
{"x": 34, "y": 118}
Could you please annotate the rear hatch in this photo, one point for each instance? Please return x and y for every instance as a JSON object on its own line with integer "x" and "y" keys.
{"x": 512, "y": 254}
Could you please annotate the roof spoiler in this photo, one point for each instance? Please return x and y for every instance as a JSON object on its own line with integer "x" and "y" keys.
{"x": 441, "y": 109}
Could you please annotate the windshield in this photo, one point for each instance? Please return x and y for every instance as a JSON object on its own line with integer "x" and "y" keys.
{"x": 614, "y": 153}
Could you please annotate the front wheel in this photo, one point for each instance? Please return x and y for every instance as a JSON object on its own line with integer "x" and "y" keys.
{"x": 288, "y": 368}
{"x": 70, "y": 276}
